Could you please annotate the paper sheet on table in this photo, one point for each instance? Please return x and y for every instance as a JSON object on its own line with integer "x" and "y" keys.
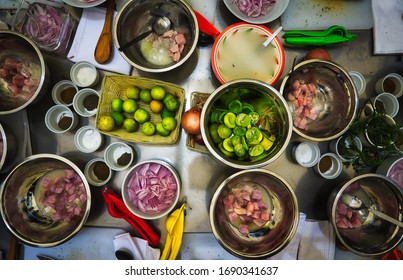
{"x": 86, "y": 38}
{"x": 317, "y": 241}
{"x": 137, "y": 246}
{"x": 388, "y": 26}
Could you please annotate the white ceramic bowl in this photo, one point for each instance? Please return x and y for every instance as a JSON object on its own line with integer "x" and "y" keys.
{"x": 84, "y": 74}
{"x": 329, "y": 166}
{"x": 306, "y": 154}
{"x": 85, "y": 102}
{"x": 275, "y": 12}
{"x": 97, "y": 172}
{"x": 237, "y": 53}
{"x": 60, "y": 119}
{"x": 63, "y": 92}
{"x": 88, "y": 139}
{"x": 83, "y": 4}
{"x": 119, "y": 156}
{"x": 166, "y": 181}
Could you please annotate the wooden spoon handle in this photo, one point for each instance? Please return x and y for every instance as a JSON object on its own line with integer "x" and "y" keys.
{"x": 109, "y": 16}
{"x": 104, "y": 45}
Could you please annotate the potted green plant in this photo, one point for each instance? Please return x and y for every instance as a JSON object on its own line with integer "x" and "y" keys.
{"x": 381, "y": 137}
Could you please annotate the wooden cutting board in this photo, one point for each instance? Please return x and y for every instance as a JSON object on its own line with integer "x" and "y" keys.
{"x": 321, "y": 14}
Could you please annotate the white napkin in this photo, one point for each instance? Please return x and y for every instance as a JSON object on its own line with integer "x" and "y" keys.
{"x": 290, "y": 252}
{"x": 317, "y": 241}
{"x": 137, "y": 246}
{"x": 388, "y": 26}
{"x": 86, "y": 38}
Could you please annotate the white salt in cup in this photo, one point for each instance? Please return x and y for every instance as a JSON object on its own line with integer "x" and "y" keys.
{"x": 389, "y": 102}
{"x": 84, "y": 74}
{"x": 392, "y": 83}
{"x": 306, "y": 154}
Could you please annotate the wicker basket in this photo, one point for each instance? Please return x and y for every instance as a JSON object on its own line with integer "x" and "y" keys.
{"x": 114, "y": 86}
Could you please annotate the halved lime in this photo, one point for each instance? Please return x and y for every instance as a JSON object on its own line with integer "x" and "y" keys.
{"x": 256, "y": 150}
{"x": 224, "y": 131}
{"x": 243, "y": 120}
{"x": 239, "y": 150}
{"x": 239, "y": 130}
{"x": 253, "y": 136}
{"x": 224, "y": 151}
{"x": 213, "y": 130}
{"x": 229, "y": 119}
{"x": 235, "y": 106}
{"x": 254, "y": 117}
{"x": 227, "y": 144}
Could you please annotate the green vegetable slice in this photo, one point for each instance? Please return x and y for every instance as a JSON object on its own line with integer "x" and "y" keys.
{"x": 235, "y": 106}
{"x": 256, "y": 150}
{"x": 239, "y": 130}
{"x": 243, "y": 120}
{"x": 224, "y": 131}
{"x": 213, "y": 129}
{"x": 236, "y": 140}
{"x": 227, "y": 145}
{"x": 224, "y": 151}
{"x": 253, "y": 136}
{"x": 254, "y": 117}
{"x": 239, "y": 150}
{"x": 247, "y": 108}
{"x": 229, "y": 120}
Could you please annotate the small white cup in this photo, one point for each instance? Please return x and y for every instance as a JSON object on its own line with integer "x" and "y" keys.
{"x": 60, "y": 119}
{"x": 63, "y": 92}
{"x": 335, "y": 146}
{"x": 306, "y": 154}
{"x": 84, "y": 74}
{"x": 88, "y": 139}
{"x": 388, "y": 101}
{"x": 97, "y": 172}
{"x": 392, "y": 83}
{"x": 359, "y": 81}
{"x": 329, "y": 166}
{"x": 114, "y": 153}
{"x": 83, "y": 105}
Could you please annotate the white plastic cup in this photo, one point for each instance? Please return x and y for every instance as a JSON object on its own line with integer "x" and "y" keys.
{"x": 329, "y": 166}
{"x": 54, "y": 118}
{"x": 63, "y": 92}
{"x": 306, "y": 154}
{"x": 389, "y": 103}
{"x": 115, "y": 151}
{"x": 79, "y": 102}
{"x": 84, "y": 74}
{"x": 358, "y": 81}
{"x": 91, "y": 174}
{"x": 334, "y": 146}
{"x": 392, "y": 83}
{"x": 88, "y": 139}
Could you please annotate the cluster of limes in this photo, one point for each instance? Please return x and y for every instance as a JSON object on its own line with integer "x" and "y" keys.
{"x": 131, "y": 113}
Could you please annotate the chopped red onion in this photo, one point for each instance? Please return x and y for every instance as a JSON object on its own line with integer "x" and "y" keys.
{"x": 254, "y": 8}
{"x": 152, "y": 188}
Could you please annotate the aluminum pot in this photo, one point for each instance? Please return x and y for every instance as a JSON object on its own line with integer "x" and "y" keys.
{"x": 360, "y": 231}
{"x": 16, "y": 48}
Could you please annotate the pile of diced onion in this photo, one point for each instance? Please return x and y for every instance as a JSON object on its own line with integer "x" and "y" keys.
{"x": 152, "y": 188}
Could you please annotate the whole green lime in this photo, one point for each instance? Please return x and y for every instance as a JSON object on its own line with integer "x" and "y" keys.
{"x": 145, "y": 95}
{"x": 172, "y": 104}
{"x": 130, "y": 106}
{"x": 119, "y": 118}
{"x": 161, "y": 130}
{"x": 166, "y": 113}
{"x": 141, "y": 115}
{"x": 148, "y": 128}
{"x": 157, "y": 92}
{"x": 130, "y": 125}
{"x": 117, "y": 104}
{"x": 169, "y": 123}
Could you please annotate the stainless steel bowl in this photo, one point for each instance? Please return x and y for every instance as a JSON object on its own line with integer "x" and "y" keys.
{"x": 25, "y": 198}
{"x": 137, "y": 16}
{"x": 274, "y": 113}
{"x": 367, "y": 235}
{"x": 20, "y": 48}
{"x": 264, "y": 241}
{"x": 8, "y": 148}
{"x": 335, "y": 101}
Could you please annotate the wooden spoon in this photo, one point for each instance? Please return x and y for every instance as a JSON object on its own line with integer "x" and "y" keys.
{"x": 104, "y": 45}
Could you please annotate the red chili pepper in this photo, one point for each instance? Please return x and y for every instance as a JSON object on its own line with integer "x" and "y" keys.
{"x": 118, "y": 209}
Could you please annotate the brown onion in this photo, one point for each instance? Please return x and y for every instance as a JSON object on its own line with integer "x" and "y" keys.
{"x": 190, "y": 121}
